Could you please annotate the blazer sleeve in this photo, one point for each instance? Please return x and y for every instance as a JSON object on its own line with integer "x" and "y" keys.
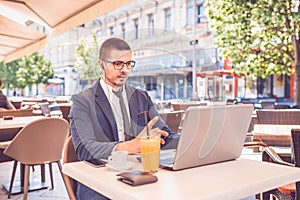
{"x": 89, "y": 140}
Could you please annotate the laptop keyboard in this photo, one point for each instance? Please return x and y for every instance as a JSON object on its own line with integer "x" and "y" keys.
{"x": 167, "y": 161}
{"x": 167, "y": 158}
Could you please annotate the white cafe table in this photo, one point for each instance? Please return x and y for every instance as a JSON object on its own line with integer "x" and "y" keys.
{"x": 228, "y": 180}
{"x": 274, "y": 134}
{"x": 17, "y": 122}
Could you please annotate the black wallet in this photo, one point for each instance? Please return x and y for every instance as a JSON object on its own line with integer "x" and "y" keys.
{"x": 135, "y": 178}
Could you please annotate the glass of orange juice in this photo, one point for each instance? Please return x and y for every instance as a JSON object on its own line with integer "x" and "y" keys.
{"x": 150, "y": 152}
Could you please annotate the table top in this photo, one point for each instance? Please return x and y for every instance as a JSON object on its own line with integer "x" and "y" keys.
{"x": 17, "y": 122}
{"x": 227, "y": 180}
{"x": 274, "y": 129}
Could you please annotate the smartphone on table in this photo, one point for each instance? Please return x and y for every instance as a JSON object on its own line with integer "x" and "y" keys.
{"x": 95, "y": 163}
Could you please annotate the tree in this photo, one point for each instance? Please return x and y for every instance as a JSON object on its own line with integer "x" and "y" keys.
{"x": 34, "y": 69}
{"x": 87, "y": 58}
{"x": 8, "y": 75}
{"x": 261, "y": 37}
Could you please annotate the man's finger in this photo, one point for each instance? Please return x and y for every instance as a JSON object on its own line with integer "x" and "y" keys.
{"x": 152, "y": 122}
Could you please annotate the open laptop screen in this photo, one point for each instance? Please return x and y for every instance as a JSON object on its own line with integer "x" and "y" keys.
{"x": 212, "y": 134}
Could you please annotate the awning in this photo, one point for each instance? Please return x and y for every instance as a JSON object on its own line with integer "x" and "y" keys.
{"x": 57, "y": 15}
{"x": 17, "y": 40}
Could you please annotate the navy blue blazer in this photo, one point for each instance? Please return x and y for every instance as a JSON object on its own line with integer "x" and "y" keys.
{"x": 94, "y": 128}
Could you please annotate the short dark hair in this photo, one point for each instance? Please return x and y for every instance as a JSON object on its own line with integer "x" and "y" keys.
{"x": 112, "y": 43}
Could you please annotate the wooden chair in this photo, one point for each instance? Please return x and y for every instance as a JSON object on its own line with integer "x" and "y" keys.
{"x": 38, "y": 143}
{"x": 270, "y": 155}
{"x": 231, "y": 101}
{"x": 183, "y": 106}
{"x": 292, "y": 190}
{"x": 65, "y": 109}
{"x": 173, "y": 119}
{"x": 70, "y": 156}
{"x": 280, "y": 117}
{"x": 17, "y": 104}
{"x": 267, "y": 104}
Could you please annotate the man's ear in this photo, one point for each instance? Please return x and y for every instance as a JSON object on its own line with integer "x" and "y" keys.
{"x": 100, "y": 62}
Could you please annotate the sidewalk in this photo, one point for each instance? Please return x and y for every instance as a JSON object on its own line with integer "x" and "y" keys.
{"x": 58, "y": 193}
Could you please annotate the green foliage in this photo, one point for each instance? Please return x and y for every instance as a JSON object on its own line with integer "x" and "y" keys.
{"x": 8, "y": 74}
{"x": 87, "y": 58}
{"x": 259, "y": 36}
{"x": 34, "y": 69}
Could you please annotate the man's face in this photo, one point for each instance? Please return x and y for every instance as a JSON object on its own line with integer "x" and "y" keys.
{"x": 114, "y": 77}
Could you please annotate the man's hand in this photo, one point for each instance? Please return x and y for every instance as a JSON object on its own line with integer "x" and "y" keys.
{"x": 133, "y": 146}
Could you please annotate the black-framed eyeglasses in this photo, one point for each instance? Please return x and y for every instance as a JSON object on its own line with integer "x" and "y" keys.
{"x": 119, "y": 65}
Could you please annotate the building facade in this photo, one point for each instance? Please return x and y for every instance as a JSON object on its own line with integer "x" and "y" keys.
{"x": 170, "y": 40}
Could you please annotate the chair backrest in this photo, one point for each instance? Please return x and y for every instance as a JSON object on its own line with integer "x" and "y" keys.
{"x": 267, "y": 105}
{"x": 70, "y": 156}
{"x": 231, "y": 101}
{"x": 65, "y": 109}
{"x": 39, "y": 142}
{"x": 278, "y": 116}
{"x": 173, "y": 119}
{"x": 69, "y": 151}
{"x": 184, "y": 105}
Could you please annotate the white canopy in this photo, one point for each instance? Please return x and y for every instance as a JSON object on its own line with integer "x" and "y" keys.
{"x": 59, "y": 16}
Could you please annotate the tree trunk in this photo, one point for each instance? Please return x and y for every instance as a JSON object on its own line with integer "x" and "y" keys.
{"x": 297, "y": 72}
{"x": 297, "y": 83}
{"x": 36, "y": 89}
{"x": 22, "y": 92}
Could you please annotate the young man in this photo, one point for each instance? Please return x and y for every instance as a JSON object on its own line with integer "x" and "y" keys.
{"x": 100, "y": 123}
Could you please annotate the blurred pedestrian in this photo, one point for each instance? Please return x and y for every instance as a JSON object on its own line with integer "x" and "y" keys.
{"x": 5, "y": 103}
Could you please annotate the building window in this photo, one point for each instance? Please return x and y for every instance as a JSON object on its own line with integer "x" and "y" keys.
{"x": 98, "y": 33}
{"x": 58, "y": 55}
{"x": 123, "y": 26}
{"x": 168, "y": 19}
{"x": 200, "y": 17}
{"x": 190, "y": 13}
{"x": 136, "y": 26}
{"x": 151, "y": 24}
{"x": 111, "y": 31}
{"x": 51, "y": 55}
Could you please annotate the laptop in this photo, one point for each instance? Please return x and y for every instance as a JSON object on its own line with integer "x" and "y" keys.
{"x": 209, "y": 134}
{"x": 45, "y": 108}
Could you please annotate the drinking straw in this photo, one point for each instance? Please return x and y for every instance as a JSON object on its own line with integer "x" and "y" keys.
{"x": 146, "y": 121}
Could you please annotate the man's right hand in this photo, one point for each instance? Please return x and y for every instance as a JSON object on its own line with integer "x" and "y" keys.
{"x": 133, "y": 146}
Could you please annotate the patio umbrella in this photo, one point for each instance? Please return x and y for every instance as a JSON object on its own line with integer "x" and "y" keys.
{"x": 58, "y": 16}
{"x": 17, "y": 40}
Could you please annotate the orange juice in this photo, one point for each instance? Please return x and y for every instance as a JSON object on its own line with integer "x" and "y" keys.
{"x": 150, "y": 152}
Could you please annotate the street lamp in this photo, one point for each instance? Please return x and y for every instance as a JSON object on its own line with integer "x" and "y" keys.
{"x": 194, "y": 71}
{"x": 194, "y": 42}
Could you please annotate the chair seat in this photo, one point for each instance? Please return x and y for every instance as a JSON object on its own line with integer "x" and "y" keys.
{"x": 288, "y": 189}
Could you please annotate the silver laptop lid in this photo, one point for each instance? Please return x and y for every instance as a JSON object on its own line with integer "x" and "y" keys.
{"x": 212, "y": 134}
